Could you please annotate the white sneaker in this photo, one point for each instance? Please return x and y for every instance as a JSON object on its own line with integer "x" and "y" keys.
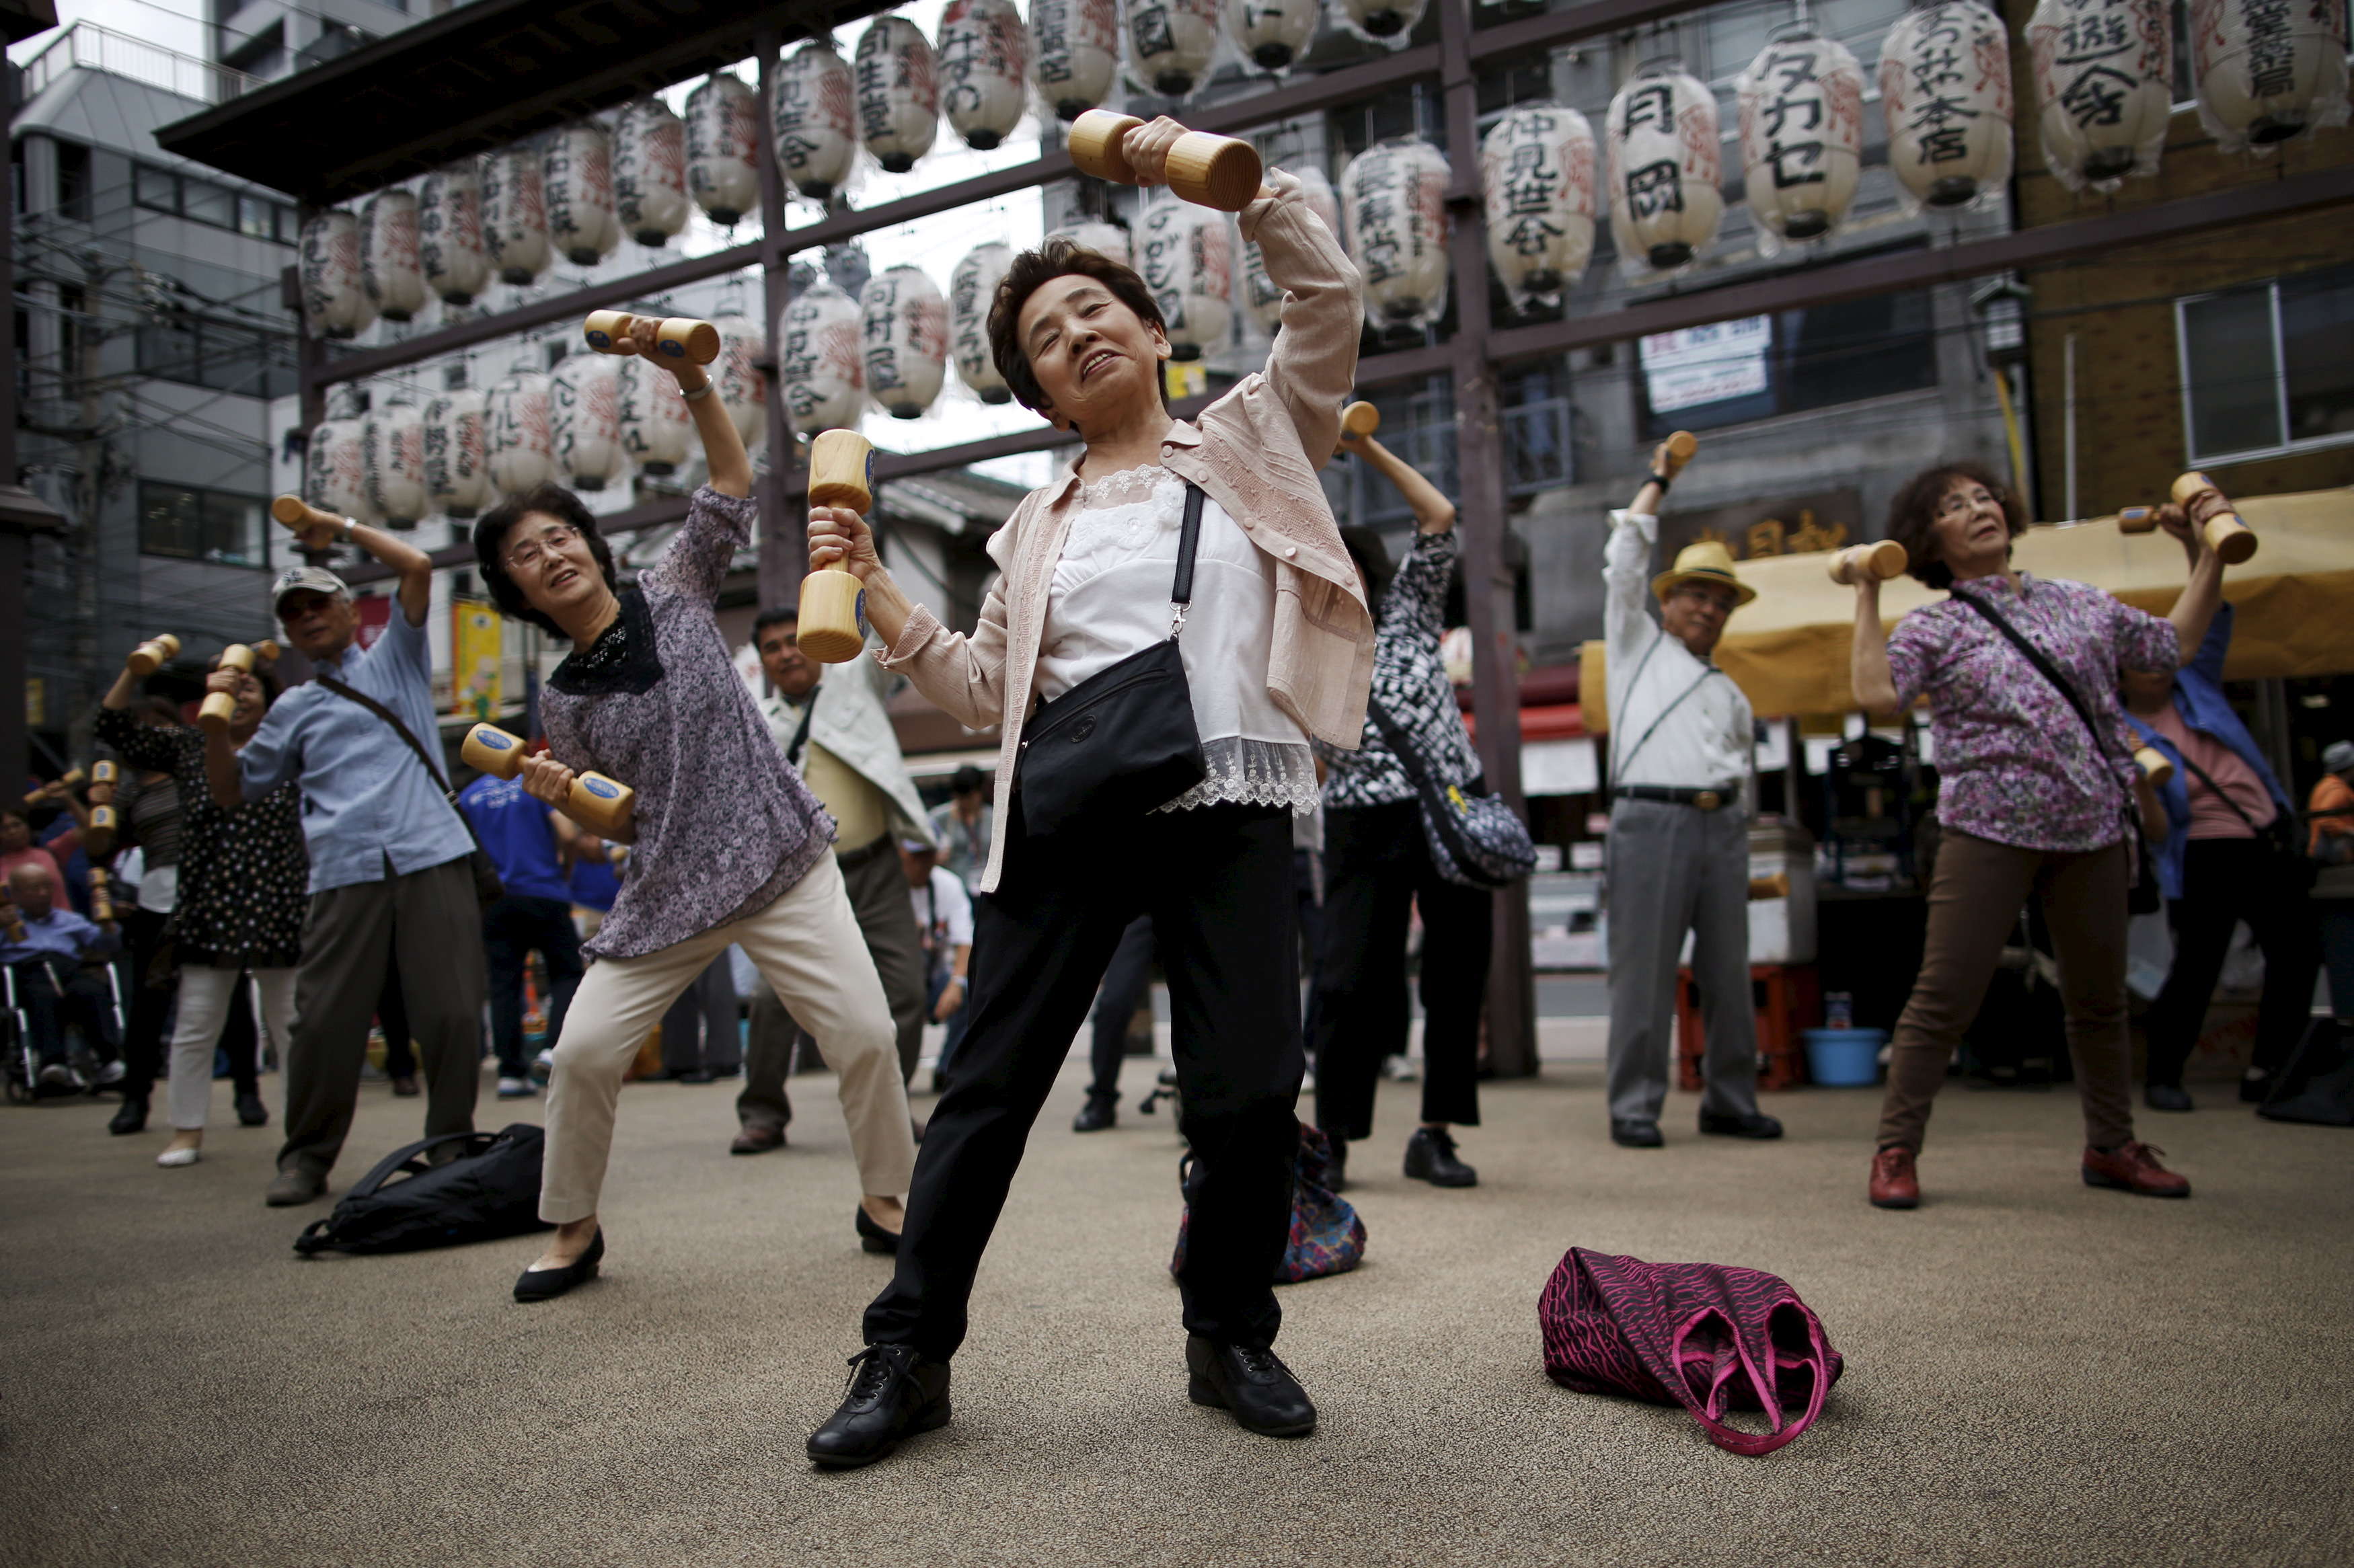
{"x": 58, "y": 1075}
{"x": 543, "y": 1066}
{"x": 1400, "y": 1069}
{"x": 111, "y": 1073}
{"x": 175, "y": 1157}
{"x": 515, "y": 1088}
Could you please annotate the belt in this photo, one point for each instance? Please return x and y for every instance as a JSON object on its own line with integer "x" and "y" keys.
{"x": 1676, "y": 795}
{"x": 849, "y": 859}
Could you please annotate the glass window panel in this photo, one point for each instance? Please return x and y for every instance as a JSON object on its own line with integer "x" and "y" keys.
{"x": 2317, "y": 323}
{"x": 289, "y": 227}
{"x": 254, "y": 216}
{"x": 208, "y": 203}
{"x": 2234, "y": 376}
{"x": 157, "y": 188}
{"x": 1862, "y": 348}
{"x": 232, "y": 529}
{"x": 170, "y": 521}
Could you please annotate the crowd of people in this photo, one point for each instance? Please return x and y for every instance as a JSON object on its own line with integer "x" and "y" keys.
{"x": 305, "y": 867}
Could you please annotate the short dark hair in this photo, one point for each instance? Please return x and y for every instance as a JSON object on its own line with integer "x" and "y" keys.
{"x": 775, "y": 615}
{"x": 164, "y": 713}
{"x": 1373, "y": 558}
{"x": 1912, "y": 514}
{"x": 1059, "y": 257}
{"x": 967, "y": 781}
{"x": 490, "y": 546}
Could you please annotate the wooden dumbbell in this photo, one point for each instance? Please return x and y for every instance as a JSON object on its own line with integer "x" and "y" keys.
{"x": 315, "y": 529}
{"x": 616, "y": 855}
{"x": 2139, "y": 519}
{"x": 1885, "y": 560}
{"x": 1762, "y": 888}
{"x": 1359, "y": 420}
{"x": 596, "y": 802}
{"x": 2227, "y": 536}
{"x": 267, "y": 651}
{"x": 101, "y": 899}
{"x": 678, "y": 337}
{"x": 1208, "y": 171}
{"x": 220, "y": 706}
{"x": 1678, "y": 450}
{"x": 99, "y": 838}
{"x": 153, "y": 654}
{"x": 34, "y": 798}
{"x": 2154, "y": 765}
{"x": 833, "y": 602}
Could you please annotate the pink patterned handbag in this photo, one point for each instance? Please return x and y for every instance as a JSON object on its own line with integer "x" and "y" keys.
{"x": 1701, "y": 1335}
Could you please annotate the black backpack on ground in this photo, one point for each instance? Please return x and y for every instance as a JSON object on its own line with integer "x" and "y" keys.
{"x": 2318, "y": 1084}
{"x": 487, "y": 1190}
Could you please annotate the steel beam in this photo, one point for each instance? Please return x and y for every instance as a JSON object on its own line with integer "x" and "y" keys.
{"x": 778, "y": 536}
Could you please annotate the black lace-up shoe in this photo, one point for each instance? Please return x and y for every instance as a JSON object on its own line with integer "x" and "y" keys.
{"x": 1430, "y": 1157}
{"x": 1251, "y": 1383}
{"x": 893, "y": 1393}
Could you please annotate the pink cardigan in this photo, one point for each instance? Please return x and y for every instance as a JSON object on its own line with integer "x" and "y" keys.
{"x": 1256, "y": 452}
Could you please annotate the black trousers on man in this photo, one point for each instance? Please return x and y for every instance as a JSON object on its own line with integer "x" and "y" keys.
{"x": 1217, "y": 884}
{"x": 1377, "y": 866}
{"x": 147, "y": 1004}
{"x": 513, "y": 929}
{"x": 1126, "y": 983}
{"x": 2224, "y": 882}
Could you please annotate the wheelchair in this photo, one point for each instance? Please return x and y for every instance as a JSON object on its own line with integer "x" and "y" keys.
{"x": 23, "y": 1068}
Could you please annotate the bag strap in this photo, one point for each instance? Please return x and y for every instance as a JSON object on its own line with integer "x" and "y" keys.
{"x": 407, "y": 1157}
{"x": 1401, "y": 745}
{"x": 1733, "y": 1439}
{"x": 1620, "y": 765}
{"x": 800, "y": 735}
{"x": 2043, "y": 667}
{"x": 1188, "y": 535}
{"x": 399, "y": 728}
{"x": 2216, "y": 789}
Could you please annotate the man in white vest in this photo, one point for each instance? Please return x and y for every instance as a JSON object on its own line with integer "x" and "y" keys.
{"x": 1681, "y": 743}
{"x": 829, "y": 722}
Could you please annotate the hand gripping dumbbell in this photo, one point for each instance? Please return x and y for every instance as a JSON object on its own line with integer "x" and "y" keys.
{"x": 220, "y": 706}
{"x": 1885, "y": 560}
{"x": 1209, "y": 171}
{"x": 596, "y": 802}
{"x": 33, "y": 798}
{"x": 2154, "y": 765}
{"x": 833, "y": 601}
{"x": 1359, "y": 420}
{"x": 678, "y": 337}
{"x": 314, "y": 529}
{"x": 153, "y": 654}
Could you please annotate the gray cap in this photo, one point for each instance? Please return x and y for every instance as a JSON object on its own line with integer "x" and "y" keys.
{"x": 314, "y": 579}
{"x": 2338, "y": 755}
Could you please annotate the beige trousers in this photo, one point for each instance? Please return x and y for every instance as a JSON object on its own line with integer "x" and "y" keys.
{"x": 808, "y": 945}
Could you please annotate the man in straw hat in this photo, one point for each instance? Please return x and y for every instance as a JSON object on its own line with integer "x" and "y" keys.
{"x": 1679, "y": 764}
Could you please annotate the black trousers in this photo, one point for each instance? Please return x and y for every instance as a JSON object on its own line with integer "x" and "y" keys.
{"x": 1376, "y": 866}
{"x": 147, "y": 1010}
{"x": 1125, "y": 986}
{"x": 1217, "y": 884}
{"x": 513, "y": 929}
{"x": 57, "y": 993}
{"x": 2225, "y": 881}
{"x": 241, "y": 1041}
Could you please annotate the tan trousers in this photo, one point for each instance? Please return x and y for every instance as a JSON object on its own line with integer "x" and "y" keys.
{"x": 808, "y": 945}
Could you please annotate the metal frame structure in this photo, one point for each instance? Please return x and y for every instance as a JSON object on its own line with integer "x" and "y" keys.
{"x": 1471, "y": 357}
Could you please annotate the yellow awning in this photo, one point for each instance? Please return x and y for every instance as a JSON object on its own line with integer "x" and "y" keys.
{"x": 1788, "y": 650}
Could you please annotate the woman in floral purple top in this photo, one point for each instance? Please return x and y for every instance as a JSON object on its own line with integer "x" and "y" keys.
{"x": 730, "y": 845}
{"x": 2033, "y": 798}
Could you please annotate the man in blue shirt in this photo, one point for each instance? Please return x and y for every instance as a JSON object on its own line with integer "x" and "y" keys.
{"x": 389, "y": 879}
{"x": 51, "y": 968}
{"x": 529, "y": 843}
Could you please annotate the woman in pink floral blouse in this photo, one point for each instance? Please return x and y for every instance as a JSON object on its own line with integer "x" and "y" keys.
{"x": 2036, "y": 798}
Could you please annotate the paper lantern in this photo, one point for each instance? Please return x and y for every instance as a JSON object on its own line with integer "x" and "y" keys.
{"x": 649, "y": 172}
{"x": 515, "y": 420}
{"x": 335, "y": 462}
{"x": 904, "y": 328}
{"x": 457, "y": 454}
{"x": 1187, "y": 260}
{"x": 514, "y": 214}
{"x": 1801, "y": 103}
{"x": 722, "y": 144}
{"x": 1945, "y": 85}
{"x": 394, "y": 440}
{"x": 737, "y": 375}
{"x": 389, "y": 267}
{"x": 1664, "y": 167}
{"x": 972, "y": 287}
{"x": 898, "y": 94}
{"x": 657, "y": 430}
{"x": 1270, "y": 34}
{"x": 1103, "y": 239}
{"x": 577, "y": 180}
{"x": 335, "y": 301}
{"x": 813, "y": 111}
{"x": 2103, "y": 78}
{"x": 1384, "y": 21}
{"x": 1536, "y": 180}
{"x": 820, "y": 368}
{"x": 1076, "y": 46}
{"x": 984, "y": 64}
{"x": 449, "y": 234}
{"x": 2267, "y": 69}
{"x": 584, "y": 419}
{"x": 1171, "y": 43}
{"x": 1262, "y": 297}
{"x": 1394, "y": 195}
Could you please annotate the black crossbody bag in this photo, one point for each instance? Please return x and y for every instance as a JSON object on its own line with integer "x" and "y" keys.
{"x": 2143, "y": 897}
{"x": 1123, "y": 741}
{"x": 488, "y": 888}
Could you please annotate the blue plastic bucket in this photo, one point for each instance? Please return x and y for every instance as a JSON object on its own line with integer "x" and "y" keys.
{"x": 1844, "y": 1058}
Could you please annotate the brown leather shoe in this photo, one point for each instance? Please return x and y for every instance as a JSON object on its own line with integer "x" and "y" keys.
{"x": 1894, "y": 1185}
{"x": 2133, "y": 1167}
{"x": 757, "y": 1140}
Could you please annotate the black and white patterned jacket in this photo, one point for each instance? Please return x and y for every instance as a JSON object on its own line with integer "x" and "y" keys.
{"x": 1410, "y": 685}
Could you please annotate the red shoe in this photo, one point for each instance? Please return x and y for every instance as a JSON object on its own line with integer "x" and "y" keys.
{"x": 2134, "y": 1168}
{"x": 1894, "y": 1185}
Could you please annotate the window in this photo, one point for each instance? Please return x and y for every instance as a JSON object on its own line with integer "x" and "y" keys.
{"x": 1759, "y": 366}
{"x": 156, "y": 188}
{"x": 208, "y": 203}
{"x": 244, "y": 360}
{"x": 2263, "y": 367}
{"x": 200, "y": 524}
{"x": 73, "y": 180}
{"x": 256, "y": 217}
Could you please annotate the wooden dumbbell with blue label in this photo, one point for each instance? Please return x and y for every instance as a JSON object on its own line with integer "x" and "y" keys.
{"x": 833, "y": 626}
{"x": 596, "y": 802}
{"x": 678, "y": 337}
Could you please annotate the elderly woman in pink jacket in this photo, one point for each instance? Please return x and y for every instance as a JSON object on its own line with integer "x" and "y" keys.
{"x": 1277, "y": 649}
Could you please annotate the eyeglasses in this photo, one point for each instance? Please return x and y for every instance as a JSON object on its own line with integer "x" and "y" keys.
{"x": 550, "y": 540}
{"x": 1962, "y": 502}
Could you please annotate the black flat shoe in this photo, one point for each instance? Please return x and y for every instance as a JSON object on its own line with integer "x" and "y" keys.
{"x": 1430, "y": 1157}
{"x": 2165, "y": 1098}
{"x": 893, "y": 1393}
{"x": 873, "y": 1237}
{"x": 1251, "y": 1383}
{"x": 1095, "y": 1116}
{"x": 548, "y": 1284}
{"x": 1636, "y": 1134}
{"x": 1751, "y": 1124}
{"x": 131, "y": 1117}
{"x": 251, "y": 1112}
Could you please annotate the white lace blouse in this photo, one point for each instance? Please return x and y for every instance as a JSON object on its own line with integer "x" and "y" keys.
{"x": 1110, "y": 599}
